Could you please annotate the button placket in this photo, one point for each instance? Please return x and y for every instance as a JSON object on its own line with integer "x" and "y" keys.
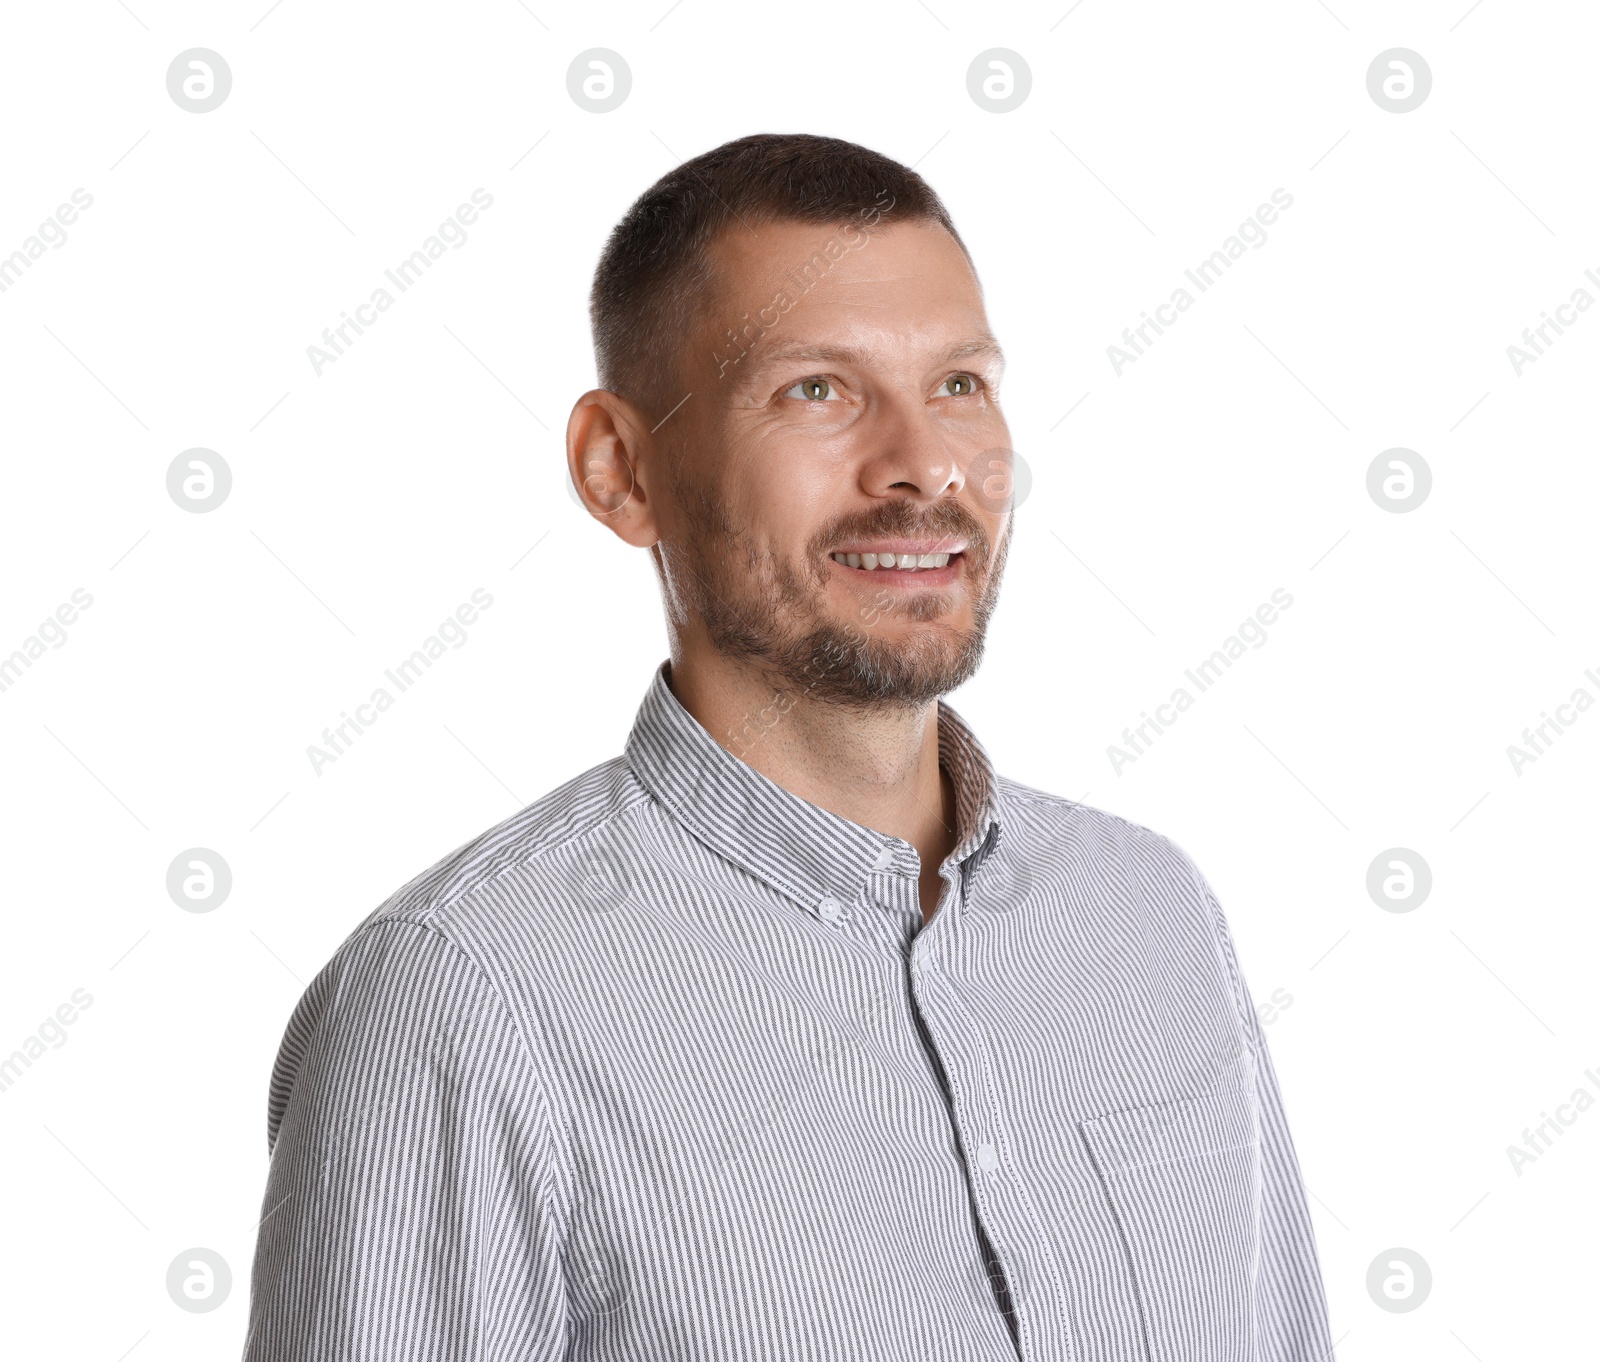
{"x": 1026, "y": 1255}
{"x": 1005, "y": 1203}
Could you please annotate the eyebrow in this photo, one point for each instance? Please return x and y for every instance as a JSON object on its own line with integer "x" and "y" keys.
{"x": 784, "y": 351}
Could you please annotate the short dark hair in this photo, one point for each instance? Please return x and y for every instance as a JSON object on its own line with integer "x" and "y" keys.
{"x": 655, "y": 275}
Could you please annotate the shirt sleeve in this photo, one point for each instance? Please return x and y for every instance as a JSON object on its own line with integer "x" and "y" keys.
{"x": 411, "y": 1210}
{"x": 1291, "y": 1304}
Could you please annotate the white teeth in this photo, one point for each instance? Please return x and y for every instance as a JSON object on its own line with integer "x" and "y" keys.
{"x": 903, "y": 561}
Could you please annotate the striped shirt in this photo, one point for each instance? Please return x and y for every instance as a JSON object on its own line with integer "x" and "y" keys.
{"x": 668, "y": 1065}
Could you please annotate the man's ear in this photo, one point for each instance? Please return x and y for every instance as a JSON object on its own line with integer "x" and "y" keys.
{"x": 607, "y": 448}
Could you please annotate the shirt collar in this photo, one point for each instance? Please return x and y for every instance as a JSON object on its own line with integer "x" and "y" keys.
{"x": 815, "y": 857}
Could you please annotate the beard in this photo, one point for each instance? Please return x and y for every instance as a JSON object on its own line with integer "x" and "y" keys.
{"x": 760, "y": 610}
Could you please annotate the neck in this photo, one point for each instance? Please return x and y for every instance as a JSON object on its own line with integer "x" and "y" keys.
{"x": 875, "y": 765}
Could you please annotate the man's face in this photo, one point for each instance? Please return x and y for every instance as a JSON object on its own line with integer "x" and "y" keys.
{"x": 863, "y": 419}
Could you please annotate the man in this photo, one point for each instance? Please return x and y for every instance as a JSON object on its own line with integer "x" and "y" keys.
{"x": 796, "y": 1031}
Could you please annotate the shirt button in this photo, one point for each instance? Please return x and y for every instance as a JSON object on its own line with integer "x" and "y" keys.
{"x": 884, "y": 858}
{"x": 988, "y": 1158}
{"x": 829, "y": 908}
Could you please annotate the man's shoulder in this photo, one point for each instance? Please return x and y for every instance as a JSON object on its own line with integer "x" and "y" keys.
{"x": 588, "y": 806}
{"x": 1046, "y": 809}
{"x": 430, "y": 956}
{"x": 1098, "y": 837}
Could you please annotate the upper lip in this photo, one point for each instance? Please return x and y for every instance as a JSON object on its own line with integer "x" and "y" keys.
{"x": 904, "y": 546}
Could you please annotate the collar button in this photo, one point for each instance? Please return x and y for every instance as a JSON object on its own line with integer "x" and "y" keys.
{"x": 829, "y": 909}
{"x": 884, "y": 858}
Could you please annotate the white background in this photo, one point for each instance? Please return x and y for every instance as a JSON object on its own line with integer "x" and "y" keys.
{"x": 369, "y": 501}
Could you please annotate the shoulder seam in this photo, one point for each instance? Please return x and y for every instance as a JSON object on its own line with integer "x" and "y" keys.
{"x": 488, "y": 986}
{"x": 1222, "y": 938}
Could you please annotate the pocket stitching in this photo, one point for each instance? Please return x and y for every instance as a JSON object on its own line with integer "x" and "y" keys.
{"x": 1121, "y": 1168}
{"x": 1103, "y": 1137}
{"x": 1100, "y": 1132}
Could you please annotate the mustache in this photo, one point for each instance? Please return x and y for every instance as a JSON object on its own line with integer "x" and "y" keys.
{"x": 903, "y": 521}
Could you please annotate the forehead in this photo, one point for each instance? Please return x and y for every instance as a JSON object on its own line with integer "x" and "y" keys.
{"x": 901, "y": 289}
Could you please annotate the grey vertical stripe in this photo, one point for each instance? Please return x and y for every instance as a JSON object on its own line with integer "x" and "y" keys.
{"x": 667, "y": 1065}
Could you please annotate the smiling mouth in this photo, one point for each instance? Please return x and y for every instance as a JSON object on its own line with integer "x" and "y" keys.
{"x": 899, "y": 562}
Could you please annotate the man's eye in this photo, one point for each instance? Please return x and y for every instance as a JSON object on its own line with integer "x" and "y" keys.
{"x": 967, "y": 383}
{"x": 811, "y": 390}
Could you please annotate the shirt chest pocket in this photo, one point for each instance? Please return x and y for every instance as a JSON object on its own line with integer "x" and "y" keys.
{"x": 1183, "y": 1181}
